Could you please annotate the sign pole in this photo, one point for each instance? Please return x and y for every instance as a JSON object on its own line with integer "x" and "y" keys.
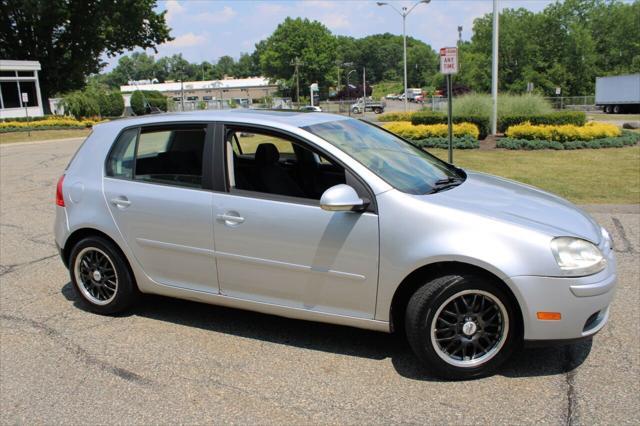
{"x": 450, "y": 117}
{"x": 449, "y": 66}
{"x": 25, "y": 101}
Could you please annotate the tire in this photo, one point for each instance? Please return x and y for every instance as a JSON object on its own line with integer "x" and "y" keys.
{"x": 356, "y": 110}
{"x": 377, "y": 110}
{"x": 494, "y": 334}
{"x": 617, "y": 109}
{"x": 607, "y": 109}
{"x": 101, "y": 276}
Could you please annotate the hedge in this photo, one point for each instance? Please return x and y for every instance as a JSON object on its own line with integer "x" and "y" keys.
{"x": 395, "y": 116}
{"x": 627, "y": 139}
{"x": 153, "y": 97}
{"x": 51, "y": 123}
{"x": 465, "y": 142}
{"x": 422, "y": 131}
{"x": 577, "y": 118}
{"x": 481, "y": 122}
{"x": 563, "y": 133}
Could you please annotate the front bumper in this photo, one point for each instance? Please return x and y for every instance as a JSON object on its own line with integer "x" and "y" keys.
{"x": 583, "y": 303}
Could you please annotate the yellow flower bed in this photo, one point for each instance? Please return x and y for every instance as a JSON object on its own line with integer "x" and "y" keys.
{"x": 563, "y": 133}
{"x": 423, "y": 131}
{"x": 55, "y": 121}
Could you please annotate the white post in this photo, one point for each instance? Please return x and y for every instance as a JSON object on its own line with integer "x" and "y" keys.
{"x": 404, "y": 41}
{"x": 494, "y": 70}
{"x": 311, "y": 92}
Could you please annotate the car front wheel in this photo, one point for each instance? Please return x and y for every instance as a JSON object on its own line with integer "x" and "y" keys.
{"x": 101, "y": 276}
{"x": 461, "y": 326}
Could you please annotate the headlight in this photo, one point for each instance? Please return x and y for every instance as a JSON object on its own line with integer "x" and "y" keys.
{"x": 577, "y": 257}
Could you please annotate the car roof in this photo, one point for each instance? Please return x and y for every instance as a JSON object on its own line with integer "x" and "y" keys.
{"x": 248, "y": 116}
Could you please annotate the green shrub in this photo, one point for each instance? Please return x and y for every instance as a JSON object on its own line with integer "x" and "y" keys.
{"x": 577, "y": 118}
{"x": 80, "y": 104}
{"x": 111, "y": 103}
{"x": 154, "y": 99}
{"x": 425, "y": 117}
{"x": 395, "y": 116}
{"x": 627, "y": 139}
{"x": 464, "y": 142}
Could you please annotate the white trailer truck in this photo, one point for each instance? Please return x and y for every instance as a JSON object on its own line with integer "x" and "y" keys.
{"x": 618, "y": 94}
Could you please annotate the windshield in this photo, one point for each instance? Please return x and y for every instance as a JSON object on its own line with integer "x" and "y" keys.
{"x": 402, "y": 165}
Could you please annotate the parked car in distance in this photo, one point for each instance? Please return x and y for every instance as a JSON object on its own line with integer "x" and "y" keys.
{"x": 392, "y": 96}
{"x": 326, "y": 218}
{"x": 310, "y": 108}
{"x": 369, "y": 105}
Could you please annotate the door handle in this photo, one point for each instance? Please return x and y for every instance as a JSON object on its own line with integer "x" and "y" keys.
{"x": 230, "y": 219}
{"x": 121, "y": 202}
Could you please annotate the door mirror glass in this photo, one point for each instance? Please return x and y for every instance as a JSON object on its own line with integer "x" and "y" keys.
{"x": 341, "y": 198}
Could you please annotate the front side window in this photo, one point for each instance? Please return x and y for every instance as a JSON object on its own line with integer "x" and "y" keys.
{"x": 270, "y": 163}
{"x": 402, "y": 165}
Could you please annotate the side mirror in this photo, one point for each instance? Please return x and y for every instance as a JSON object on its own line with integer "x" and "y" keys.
{"x": 341, "y": 198}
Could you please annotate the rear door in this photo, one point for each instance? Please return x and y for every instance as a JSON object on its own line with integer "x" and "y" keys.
{"x": 158, "y": 188}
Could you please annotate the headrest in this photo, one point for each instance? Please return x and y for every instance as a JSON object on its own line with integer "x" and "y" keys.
{"x": 267, "y": 153}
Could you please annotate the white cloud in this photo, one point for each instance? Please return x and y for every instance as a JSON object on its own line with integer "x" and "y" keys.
{"x": 335, "y": 21}
{"x": 226, "y": 14}
{"x": 173, "y": 8}
{"x": 187, "y": 40}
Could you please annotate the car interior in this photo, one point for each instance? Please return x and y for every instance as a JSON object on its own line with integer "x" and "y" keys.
{"x": 171, "y": 156}
{"x": 274, "y": 164}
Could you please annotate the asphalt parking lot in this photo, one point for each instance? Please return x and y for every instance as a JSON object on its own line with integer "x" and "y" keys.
{"x": 177, "y": 361}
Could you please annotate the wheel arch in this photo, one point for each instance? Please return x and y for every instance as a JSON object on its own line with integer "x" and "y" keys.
{"x": 417, "y": 278}
{"x": 82, "y": 233}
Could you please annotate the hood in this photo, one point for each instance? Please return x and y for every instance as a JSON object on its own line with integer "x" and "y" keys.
{"x": 524, "y": 205}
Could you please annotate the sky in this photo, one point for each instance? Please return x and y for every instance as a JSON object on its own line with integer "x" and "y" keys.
{"x": 207, "y": 29}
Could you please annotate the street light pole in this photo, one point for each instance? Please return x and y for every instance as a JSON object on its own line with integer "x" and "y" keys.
{"x": 494, "y": 70}
{"x": 405, "y": 12}
{"x": 349, "y": 91}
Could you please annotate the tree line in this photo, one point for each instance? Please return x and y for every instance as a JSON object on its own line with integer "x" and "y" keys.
{"x": 565, "y": 45}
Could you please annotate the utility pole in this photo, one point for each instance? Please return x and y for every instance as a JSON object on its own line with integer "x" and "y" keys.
{"x": 459, "y": 35}
{"x": 494, "y": 70}
{"x": 297, "y": 63}
{"x": 405, "y": 12}
{"x": 364, "y": 91}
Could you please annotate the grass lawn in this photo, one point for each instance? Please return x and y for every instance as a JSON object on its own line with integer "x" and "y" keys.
{"x": 613, "y": 117}
{"x": 42, "y": 135}
{"x": 584, "y": 176}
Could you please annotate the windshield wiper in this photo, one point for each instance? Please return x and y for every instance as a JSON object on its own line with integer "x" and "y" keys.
{"x": 446, "y": 183}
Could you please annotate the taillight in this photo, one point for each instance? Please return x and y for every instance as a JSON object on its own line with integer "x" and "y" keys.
{"x": 59, "y": 196}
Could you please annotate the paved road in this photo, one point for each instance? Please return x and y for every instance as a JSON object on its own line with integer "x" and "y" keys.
{"x": 171, "y": 360}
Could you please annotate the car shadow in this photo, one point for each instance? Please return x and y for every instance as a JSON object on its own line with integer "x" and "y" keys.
{"x": 335, "y": 339}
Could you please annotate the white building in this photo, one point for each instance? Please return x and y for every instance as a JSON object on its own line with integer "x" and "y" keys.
{"x": 241, "y": 90}
{"x": 20, "y": 89}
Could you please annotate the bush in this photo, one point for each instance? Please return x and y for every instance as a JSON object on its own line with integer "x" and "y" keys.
{"x": 111, "y": 103}
{"x": 395, "y": 116}
{"x": 425, "y": 117}
{"x": 421, "y": 131}
{"x": 80, "y": 104}
{"x": 577, "y": 118}
{"x": 154, "y": 99}
{"x": 563, "y": 133}
{"x": 627, "y": 139}
{"x": 464, "y": 142}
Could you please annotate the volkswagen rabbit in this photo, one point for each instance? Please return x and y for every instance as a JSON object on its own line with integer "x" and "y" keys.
{"x": 326, "y": 218}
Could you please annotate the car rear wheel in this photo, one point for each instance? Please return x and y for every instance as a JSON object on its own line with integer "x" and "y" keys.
{"x": 101, "y": 277}
{"x": 461, "y": 326}
{"x": 356, "y": 110}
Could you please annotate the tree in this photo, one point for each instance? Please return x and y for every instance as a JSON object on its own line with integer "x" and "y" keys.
{"x": 69, "y": 37}
{"x": 311, "y": 42}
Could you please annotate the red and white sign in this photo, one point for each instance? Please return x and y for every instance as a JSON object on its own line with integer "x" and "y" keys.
{"x": 449, "y": 60}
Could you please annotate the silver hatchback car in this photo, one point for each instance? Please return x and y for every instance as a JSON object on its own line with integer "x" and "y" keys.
{"x": 326, "y": 218}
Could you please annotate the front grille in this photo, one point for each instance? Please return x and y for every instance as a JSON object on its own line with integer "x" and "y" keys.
{"x": 591, "y": 321}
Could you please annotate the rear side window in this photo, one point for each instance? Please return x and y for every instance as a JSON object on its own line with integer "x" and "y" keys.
{"x": 171, "y": 155}
{"x": 121, "y": 159}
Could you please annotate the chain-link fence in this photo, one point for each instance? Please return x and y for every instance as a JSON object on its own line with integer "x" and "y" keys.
{"x": 577, "y": 103}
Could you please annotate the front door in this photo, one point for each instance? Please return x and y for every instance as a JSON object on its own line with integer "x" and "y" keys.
{"x": 158, "y": 197}
{"x": 274, "y": 244}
